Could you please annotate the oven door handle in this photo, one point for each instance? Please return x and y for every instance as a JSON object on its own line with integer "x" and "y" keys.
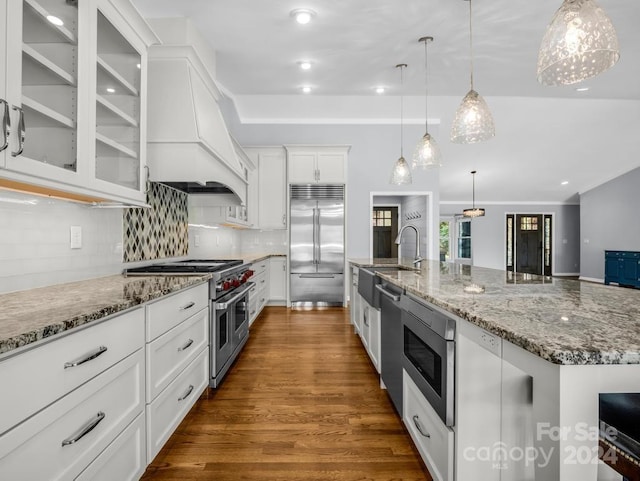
{"x": 226, "y": 304}
{"x": 386, "y": 293}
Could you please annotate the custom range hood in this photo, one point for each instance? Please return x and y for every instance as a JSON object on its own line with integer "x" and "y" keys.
{"x": 189, "y": 146}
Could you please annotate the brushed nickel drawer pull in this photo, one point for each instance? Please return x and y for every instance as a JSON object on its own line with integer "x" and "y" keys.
{"x": 186, "y": 346}
{"x": 88, "y": 357}
{"x": 6, "y": 125}
{"x": 21, "y": 132}
{"x": 188, "y": 306}
{"x": 416, "y": 420}
{"x": 84, "y": 430}
{"x": 186, "y": 394}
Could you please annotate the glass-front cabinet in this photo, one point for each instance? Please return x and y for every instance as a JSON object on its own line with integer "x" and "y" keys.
{"x": 118, "y": 104}
{"x": 75, "y": 86}
{"x": 43, "y": 59}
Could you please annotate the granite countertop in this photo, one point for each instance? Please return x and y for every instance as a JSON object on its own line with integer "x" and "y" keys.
{"x": 562, "y": 321}
{"x": 35, "y": 314}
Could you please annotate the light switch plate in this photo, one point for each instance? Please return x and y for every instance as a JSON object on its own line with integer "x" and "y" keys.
{"x": 76, "y": 237}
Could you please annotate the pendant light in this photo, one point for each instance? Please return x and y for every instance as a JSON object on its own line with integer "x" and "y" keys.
{"x": 474, "y": 211}
{"x": 427, "y": 153}
{"x": 401, "y": 173}
{"x": 580, "y": 43}
{"x": 473, "y": 121}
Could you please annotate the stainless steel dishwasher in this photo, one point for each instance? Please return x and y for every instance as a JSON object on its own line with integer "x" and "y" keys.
{"x": 391, "y": 341}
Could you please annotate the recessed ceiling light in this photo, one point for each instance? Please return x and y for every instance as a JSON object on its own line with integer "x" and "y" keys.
{"x": 379, "y": 90}
{"x": 582, "y": 89}
{"x": 304, "y": 64}
{"x": 303, "y": 15}
{"x": 111, "y": 90}
{"x": 564, "y": 182}
{"x": 55, "y": 20}
{"x": 306, "y": 89}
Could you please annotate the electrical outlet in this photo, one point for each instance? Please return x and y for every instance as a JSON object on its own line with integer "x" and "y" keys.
{"x": 196, "y": 240}
{"x": 492, "y": 343}
{"x": 76, "y": 236}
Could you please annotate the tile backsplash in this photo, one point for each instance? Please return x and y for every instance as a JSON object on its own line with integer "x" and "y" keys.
{"x": 158, "y": 232}
{"x": 35, "y": 241}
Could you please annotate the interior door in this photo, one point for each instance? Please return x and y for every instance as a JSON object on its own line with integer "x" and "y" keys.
{"x": 385, "y": 230}
{"x": 303, "y": 232}
{"x": 330, "y": 236}
{"x": 529, "y": 236}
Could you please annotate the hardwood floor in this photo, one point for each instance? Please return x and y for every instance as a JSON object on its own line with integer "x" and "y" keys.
{"x": 301, "y": 403}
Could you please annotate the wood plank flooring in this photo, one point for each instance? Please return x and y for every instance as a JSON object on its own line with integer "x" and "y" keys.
{"x": 301, "y": 403}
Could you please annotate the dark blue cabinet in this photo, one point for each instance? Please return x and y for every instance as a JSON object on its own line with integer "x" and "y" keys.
{"x": 622, "y": 267}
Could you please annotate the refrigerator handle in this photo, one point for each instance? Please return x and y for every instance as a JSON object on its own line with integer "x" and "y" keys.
{"x": 319, "y": 257}
{"x": 315, "y": 224}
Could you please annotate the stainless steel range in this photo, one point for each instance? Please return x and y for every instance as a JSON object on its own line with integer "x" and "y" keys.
{"x": 229, "y": 305}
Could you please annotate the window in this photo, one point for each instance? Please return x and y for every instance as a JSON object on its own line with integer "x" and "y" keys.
{"x": 381, "y": 218}
{"x": 445, "y": 241}
{"x": 528, "y": 223}
{"x": 464, "y": 239}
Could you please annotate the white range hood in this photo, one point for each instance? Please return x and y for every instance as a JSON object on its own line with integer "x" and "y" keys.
{"x": 188, "y": 140}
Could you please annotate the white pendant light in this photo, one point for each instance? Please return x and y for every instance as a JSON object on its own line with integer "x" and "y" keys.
{"x": 580, "y": 43}
{"x": 427, "y": 153}
{"x": 474, "y": 211}
{"x": 473, "y": 121}
{"x": 401, "y": 174}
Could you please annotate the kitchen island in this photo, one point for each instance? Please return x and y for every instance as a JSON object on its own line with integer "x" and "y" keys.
{"x": 567, "y": 340}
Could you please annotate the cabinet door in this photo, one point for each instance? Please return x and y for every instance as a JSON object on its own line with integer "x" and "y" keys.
{"x": 4, "y": 106}
{"x": 44, "y": 89}
{"x": 331, "y": 168}
{"x": 272, "y": 190}
{"x": 611, "y": 268}
{"x": 117, "y": 113}
{"x": 302, "y": 168}
{"x": 277, "y": 278}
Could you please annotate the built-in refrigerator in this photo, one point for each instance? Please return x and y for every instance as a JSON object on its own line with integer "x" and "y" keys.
{"x": 316, "y": 244}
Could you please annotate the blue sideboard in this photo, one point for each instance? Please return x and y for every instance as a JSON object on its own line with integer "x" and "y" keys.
{"x": 622, "y": 267}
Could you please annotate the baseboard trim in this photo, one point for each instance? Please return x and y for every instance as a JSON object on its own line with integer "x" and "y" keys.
{"x": 566, "y": 274}
{"x": 592, "y": 279}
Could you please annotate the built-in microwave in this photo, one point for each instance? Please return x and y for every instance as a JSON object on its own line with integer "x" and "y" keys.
{"x": 429, "y": 355}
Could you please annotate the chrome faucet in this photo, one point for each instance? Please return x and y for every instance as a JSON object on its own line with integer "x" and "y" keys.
{"x": 417, "y": 259}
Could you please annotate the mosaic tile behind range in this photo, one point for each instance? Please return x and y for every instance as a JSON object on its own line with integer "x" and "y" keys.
{"x": 159, "y": 232}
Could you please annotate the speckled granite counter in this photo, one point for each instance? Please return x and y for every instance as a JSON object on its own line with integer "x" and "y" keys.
{"x": 29, "y": 316}
{"x": 562, "y": 321}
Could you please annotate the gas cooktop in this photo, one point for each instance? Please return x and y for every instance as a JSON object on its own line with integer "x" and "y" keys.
{"x": 190, "y": 266}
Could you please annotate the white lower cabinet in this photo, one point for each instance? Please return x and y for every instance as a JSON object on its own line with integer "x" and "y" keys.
{"x": 277, "y": 280}
{"x": 58, "y": 367}
{"x": 59, "y": 442}
{"x": 170, "y": 353}
{"x": 432, "y": 438}
{"x": 166, "y": 412}
{"x": 124, "y": 459}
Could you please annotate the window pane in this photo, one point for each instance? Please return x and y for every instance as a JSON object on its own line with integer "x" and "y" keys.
{"x": 464, "y": 248}
{"x": 465, "y": 229}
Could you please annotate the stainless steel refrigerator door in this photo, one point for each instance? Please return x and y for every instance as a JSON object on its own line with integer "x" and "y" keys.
{"x": 303, "y": 233}
{"x": 317, "y": 288}
{"x": 330, "y": 236}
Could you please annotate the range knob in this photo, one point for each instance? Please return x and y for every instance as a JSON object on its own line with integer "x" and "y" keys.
{"x": 226, "y": 285}
{"x": 235, "y": 282}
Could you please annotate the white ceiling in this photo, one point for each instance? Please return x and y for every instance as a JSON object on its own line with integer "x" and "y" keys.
{"x": 355, "y": 44}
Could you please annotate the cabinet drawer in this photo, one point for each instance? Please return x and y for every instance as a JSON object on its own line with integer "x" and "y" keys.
{"x": 260, "y": 280}
{"x": 123, "y": 460}
{"x": 170, "y": 353}
{"x": 166, "y": 412}
{"x": 260, "y": 267}
{"x": 170, "y": 311}
{"x": 34, "y": 450}
{"x": 35, "y": 378}
{"x": 432, "y": 438}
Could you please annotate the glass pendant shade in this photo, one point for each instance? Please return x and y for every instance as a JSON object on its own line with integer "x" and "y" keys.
{"x": 475, "y": 212}
{"x": 427, "y": 154}
{"x": 401, "y": 174}
{"x": 580, "y": 43}
{"x": 473, "y": 121}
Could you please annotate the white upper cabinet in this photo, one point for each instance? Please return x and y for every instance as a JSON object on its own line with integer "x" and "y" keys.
{"x": 271, "y": 192}
{"x": 317, "y": 164}
{"x": 75, "y": 84}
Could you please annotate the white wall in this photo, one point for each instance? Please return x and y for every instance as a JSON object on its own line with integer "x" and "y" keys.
{"x": 34, "y": 245}
{"x": 609, "y": 221}
{"x": 488, "y": 234}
